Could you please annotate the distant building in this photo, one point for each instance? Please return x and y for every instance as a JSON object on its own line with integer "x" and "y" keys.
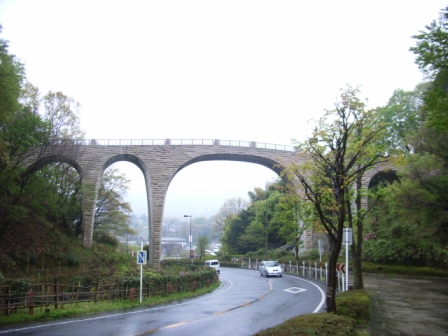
{"x": 174, "y": 240}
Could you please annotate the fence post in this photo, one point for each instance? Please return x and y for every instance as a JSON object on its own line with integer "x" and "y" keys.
{"x": 30, "y": 298}
{"x": 55, "y": 290}
{"x": 8, "y": 292}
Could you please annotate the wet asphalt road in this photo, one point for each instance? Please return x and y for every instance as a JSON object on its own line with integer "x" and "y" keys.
{"x": 244, "y": 304}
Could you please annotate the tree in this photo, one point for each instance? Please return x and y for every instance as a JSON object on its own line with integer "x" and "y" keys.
{"x": 295, "y": 217}
{"x": 402, "y": 118}
{"x": 343, "y": 144}
{"x": 230, "y": 209}
{"x": 12, "y": 75}
{"x": 431, "y": 52}
{"x": 113, "y": 214}
{"x": 203, "y": 243}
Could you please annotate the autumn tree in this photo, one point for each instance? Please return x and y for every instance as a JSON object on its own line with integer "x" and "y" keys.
{"x": 343, "y": 145}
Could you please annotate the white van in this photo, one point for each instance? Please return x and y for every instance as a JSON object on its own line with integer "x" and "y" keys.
{"x": 213, "y": 263}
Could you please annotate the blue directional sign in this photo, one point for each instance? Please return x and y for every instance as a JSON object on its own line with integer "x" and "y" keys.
{"x": 141, "y": 257}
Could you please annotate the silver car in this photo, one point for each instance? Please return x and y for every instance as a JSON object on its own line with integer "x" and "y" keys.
{"x": 268, "y": 268}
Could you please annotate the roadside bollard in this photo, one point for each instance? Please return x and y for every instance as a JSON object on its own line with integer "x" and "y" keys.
{"x": 132, "y": 294}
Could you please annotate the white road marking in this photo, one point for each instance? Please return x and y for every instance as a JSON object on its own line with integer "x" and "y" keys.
{"x": 295, "y": 290}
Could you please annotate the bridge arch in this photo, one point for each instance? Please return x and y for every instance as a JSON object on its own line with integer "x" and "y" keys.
{"x": 160, "y": 161}
{"x": 42, "y": 162}
{"x": 263, "y": 161}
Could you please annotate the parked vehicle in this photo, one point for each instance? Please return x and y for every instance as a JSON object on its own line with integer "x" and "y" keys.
{"x": 215, "y": 264}
{"x": 269, "y": 268}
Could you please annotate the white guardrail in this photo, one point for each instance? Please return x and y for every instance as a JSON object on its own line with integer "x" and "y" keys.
{"x": 180, "y": 142}
{"x": 317, "y": 271}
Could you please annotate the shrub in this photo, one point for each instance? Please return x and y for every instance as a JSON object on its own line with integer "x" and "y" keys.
{"x": 312, "y": 254}
{"x": 105, "y": 238}
{"x": 404, "y": 270}
{"x": 405, "y": 251}
{"x": 314, "y": 324}
{"x": 354, "y": 304}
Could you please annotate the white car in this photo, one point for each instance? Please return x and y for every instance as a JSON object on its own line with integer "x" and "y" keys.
{"x": 268, "y": 268}
{"x": 215, "y": 264}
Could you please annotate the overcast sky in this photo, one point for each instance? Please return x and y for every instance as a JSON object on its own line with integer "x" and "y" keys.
{"x": 233, "y": 70}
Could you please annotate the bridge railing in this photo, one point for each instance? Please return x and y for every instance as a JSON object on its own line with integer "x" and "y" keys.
{"x": 183, "y": 142}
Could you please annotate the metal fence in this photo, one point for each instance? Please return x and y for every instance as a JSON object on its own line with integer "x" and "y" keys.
{"x": 176, "y": 142}
{"x": 313, "y": 270}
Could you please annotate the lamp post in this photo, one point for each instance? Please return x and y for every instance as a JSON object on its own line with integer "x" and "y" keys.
{"x": 190, "y": 239}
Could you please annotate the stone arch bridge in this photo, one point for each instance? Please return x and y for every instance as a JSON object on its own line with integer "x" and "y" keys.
{"x": 159, "y": 161}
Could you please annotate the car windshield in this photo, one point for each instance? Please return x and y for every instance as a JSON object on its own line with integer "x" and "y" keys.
{"x": 271, "y": 263}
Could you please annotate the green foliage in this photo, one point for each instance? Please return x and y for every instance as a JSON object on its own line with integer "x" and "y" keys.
{"x": 401, "y": 117}
{"x": 105, "y": 238}
{"x": 11, "y": 78}
{"x": 324, "y": 324}
{"x": 203, "y": 243}
{"x": 432, "y": 59}
{"x": 405, "y": 251}
{"x": 354, "y": 304}
{"x": 312, "y": 254}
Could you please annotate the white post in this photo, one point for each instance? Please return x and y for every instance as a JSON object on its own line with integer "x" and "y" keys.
{"x": 347, "y": 239}
{"x": 315, "y": 270}
{"x": 326, "y": 272}
{"x": 303, "y": 269}
{"x": 346, "y": 267}
{"x": 249, "y": 264}
{"x": 339, "y": 282}
{"x": 320, "y": 252}
{"x": 141, "y": 277}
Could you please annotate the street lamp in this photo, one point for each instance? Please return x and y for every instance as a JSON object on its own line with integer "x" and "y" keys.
{"x": 190, "y": 239}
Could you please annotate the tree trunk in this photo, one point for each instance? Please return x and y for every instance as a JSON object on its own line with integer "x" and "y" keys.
{"x": 332, "y": 279}
{"x": 358, "y": 282}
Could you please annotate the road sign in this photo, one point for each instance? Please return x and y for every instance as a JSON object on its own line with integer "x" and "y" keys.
{"x": 340, "y": 267}
{"x": 141, "y": 257}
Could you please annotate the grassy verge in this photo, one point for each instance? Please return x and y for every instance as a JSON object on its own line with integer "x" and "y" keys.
{"x": 92, "y": 307}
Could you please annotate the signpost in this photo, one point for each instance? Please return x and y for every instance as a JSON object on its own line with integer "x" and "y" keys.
{"x": 347, "y": 239}
{"x": 141, "y": 260}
